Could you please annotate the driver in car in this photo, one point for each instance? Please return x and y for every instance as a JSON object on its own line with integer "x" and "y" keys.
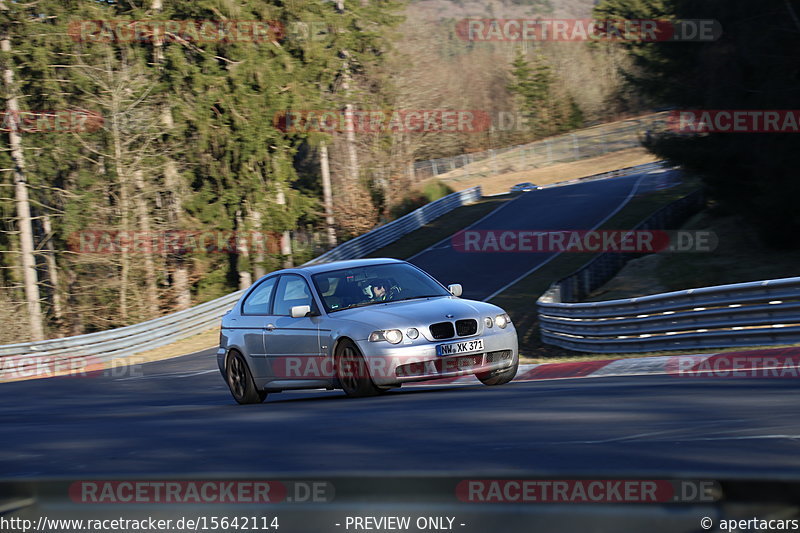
{"x": 380, "y": 291}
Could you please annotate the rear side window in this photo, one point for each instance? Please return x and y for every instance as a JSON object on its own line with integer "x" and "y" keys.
{"x": 257, "y": 302}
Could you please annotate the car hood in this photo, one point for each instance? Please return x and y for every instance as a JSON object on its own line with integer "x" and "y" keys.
{"x": 414, "y": 313}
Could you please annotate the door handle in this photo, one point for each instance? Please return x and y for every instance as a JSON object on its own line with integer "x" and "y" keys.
{"x": 269, "y": 327}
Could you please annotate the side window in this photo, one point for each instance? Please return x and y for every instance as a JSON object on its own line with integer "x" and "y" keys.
{"x": 258, "y": 301}
{"x": 292, "y": 290}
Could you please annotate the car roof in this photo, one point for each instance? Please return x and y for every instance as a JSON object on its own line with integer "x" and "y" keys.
{"x": 338, "y": 265}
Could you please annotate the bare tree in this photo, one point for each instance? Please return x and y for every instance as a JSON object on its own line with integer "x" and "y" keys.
{"x": 22, "y": 200}
{"x": 132, "y": 123}
{"x": 327, "y": 195}
{"x": 177, "y": 265}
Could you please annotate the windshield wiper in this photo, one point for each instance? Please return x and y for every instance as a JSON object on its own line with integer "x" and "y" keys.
{"x": 360, "y": 304}
{"x": 364, "y": 304}
{"x": 416, "y": 297}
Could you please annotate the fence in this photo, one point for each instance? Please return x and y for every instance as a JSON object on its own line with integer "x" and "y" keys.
{"x": 591, "y": 142}
{"x": 27, "y": 358}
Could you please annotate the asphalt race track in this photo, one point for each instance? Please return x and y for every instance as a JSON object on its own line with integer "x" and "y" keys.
{"x": 405, "y": 451}
{"x": 582, "y": 206}
{"x": 178, "y": 417}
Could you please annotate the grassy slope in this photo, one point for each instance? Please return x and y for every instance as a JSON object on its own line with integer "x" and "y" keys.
{"x": 740, "y": 256}
{"x": 439, "y": 229}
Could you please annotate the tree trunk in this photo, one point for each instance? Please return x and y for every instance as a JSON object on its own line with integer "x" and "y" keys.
{"x": 25, "y": 224}
{"x": 52, "y": 271}
{"x": 178, "y": 267}
{"x": 243, "y": 250}
{"x": 350, "y": 134}
{"x": 76, "y": 324}
{"x": 258, "y": 236}
{"x": 327, "y": 194}
{"x": 143, "y": 214}
{"x": 124, "y": 207}
{"x": 286, "y": 236}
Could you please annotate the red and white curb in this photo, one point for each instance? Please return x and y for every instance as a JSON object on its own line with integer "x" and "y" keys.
{"x": 779, "y": 362}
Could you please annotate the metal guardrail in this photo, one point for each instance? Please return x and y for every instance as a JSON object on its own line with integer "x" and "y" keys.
{"x": 104, "y": 346}
{"x": 738, "y": 315}
{"x": 388, "y": 233}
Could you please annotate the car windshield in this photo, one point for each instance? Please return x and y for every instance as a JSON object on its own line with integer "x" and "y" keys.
{"x": 357, "y": 287}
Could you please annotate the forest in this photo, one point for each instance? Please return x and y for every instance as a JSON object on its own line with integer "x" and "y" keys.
{"x": 147, "y": 162}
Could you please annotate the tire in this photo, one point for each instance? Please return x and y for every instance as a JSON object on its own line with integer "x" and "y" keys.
{"x": 240, "y": 381}
{"x": 499, "y": 377}
{"x": 352, "y": 371}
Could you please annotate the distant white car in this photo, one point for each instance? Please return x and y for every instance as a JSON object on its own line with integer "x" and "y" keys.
{"x": 363, "y": 326}
{"x": 524, "y": 187}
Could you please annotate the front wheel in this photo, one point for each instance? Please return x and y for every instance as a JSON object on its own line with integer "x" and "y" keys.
{"x": 352, "y": 371}
{"x": 240, "y": 381}
{"x": 499, "y": 377}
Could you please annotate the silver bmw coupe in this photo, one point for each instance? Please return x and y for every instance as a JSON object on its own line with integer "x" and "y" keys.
{"x": 363, "y": 326}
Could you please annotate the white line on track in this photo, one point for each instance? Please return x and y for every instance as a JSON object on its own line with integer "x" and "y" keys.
{"x": 444, "y": 241}
{"x": 170, "y": 375}
{"x": 540, "y": 265}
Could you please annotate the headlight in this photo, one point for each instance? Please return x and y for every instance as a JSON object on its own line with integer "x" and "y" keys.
{"x": 488, "y": 321}
{"x": 502, "y": 320}
{"x": 392, "y": 336}
{"x": 412, "y": 333}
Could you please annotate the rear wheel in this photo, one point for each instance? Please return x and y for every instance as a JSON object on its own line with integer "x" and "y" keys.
{"x": 352, "y": 371}
{"x": 499, "y": 377}
{"x": 240, "y": 381}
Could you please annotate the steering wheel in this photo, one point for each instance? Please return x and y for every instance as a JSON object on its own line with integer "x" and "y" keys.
{"x": 394, "y": 292}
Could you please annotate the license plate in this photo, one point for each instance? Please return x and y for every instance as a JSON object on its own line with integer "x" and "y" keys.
{"x": 455, "y": 348}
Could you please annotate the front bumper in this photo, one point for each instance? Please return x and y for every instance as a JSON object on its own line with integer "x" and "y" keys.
{"x": 391, "y": 365}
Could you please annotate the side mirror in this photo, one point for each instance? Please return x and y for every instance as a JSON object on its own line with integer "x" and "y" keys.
{"x": 455, "y": 289}
{"x": 299, "y": 311}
